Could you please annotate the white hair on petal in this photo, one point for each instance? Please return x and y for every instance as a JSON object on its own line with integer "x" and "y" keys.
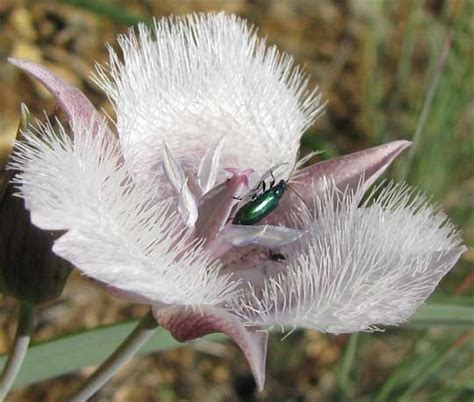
{"x": 361, "y": 265}
{"x": 196, "y": 79}
{"x": 117, "y": 231}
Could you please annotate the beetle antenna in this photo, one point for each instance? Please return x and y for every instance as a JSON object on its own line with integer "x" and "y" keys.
{"x": 300, "y": 197}
{"x": 302, "y": 161}
{"x": 307, "y": 157}
{"x": 294, "y": 167}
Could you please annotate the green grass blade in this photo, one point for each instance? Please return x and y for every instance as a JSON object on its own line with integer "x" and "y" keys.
{"x": 439, "y": 359}
{"x": 450, "y": 315}
{"x": 348, "y": 362}
{"x": 453, "y": 300}
{"x": 86, "y": 348}
{"x": 112, "y": 11}
{"x": 404, "y": 68}
{"x": 411, "y": 367}
{"x": 427, "y": 103}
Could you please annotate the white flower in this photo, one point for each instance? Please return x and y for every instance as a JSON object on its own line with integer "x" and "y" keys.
{"x": 202, "y": 103}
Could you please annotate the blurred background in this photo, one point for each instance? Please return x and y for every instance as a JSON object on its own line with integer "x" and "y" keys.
{"x": 388, "y": 70}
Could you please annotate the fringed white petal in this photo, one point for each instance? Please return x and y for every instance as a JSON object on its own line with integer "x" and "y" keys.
{"x": 192, "y": 80}
{"x": 54, "y": 169}
{"x": 360, "y": 266}
{"x": 117, "y": 232}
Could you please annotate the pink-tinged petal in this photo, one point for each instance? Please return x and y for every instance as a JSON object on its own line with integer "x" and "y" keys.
{"x": 262, "y": 235}
{"x": 353, "y": 170}
{"x": 186, "y": 324}
{"x": 70, "y": 99}
{"x": 236, "y": 172}
{"x": 216, "y": 206}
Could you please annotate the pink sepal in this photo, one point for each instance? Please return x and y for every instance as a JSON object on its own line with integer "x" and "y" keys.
{"x": 186, "y": 324}
{"x": 70, "y": 99}
{"x": 358, "y": 168}
{"x": 348, "y": 172}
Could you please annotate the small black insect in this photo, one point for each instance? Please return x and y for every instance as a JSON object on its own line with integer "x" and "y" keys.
{"x": 276, "y": 256}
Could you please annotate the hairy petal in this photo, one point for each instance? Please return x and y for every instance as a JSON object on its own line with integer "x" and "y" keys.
{"x": 177, "y": 83}
{"x": 186, "y": 324}
{"x": 70, "y": 99}
{"x": 359, "y": 266}
{"x": 117, "y": 231}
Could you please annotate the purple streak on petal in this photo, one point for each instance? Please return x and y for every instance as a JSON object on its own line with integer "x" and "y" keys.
{"x": 70, "y": 99}
{"x": 186, "y": 324}
{"x": 216, "y": 206}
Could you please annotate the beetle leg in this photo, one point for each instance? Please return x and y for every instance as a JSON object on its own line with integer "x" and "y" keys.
{"x": 255, "y": 190}
{"x": 273, "y": 179}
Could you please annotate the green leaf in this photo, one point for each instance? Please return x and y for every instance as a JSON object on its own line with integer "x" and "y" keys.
{"x": 344, "y": 377}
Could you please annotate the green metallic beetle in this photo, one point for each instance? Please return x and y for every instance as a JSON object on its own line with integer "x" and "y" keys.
{"x": 260, "y": 205}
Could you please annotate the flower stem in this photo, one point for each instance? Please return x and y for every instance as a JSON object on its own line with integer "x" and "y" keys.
{"x": 24, "y": 328}
{"x": 127, "y": 349}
